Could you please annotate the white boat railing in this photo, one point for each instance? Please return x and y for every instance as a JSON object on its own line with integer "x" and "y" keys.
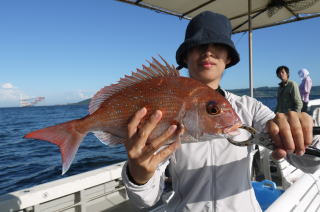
{"x": 95, "y": 190}
{"x": 103, "y": 190}
{"x": 314, "y": 102}
{"x": 303, "y": 195}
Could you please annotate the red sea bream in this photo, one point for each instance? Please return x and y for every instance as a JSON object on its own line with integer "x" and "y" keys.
{"x": 182, "y": 100}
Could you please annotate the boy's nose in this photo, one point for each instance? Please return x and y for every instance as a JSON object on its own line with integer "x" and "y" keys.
{"x": 207, "y": 49}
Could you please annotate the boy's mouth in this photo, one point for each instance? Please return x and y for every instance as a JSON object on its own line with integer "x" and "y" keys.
{"x": 207, "y": 64}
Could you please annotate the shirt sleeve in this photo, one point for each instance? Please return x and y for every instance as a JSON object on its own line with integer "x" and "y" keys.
{"x": 262, "y": 114}
{"x": 147, "y": 195}
{"x": 297, "y": 99}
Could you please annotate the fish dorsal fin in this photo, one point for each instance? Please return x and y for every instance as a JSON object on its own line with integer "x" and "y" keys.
{"x": 155, "y": 70}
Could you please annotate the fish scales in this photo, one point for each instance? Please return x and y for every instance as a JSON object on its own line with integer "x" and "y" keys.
{"x": 120, "y": 106}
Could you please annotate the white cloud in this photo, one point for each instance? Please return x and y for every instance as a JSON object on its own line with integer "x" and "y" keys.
{"x": 84, "y": 94}
{"x": 10, "y": 95}
{"x": 7, "y": 85}
{"x": 75, "y": 96}
{"x": 78, "y": 95}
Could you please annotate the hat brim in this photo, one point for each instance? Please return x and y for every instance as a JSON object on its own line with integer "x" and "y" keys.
{"x": 189, "y": 44}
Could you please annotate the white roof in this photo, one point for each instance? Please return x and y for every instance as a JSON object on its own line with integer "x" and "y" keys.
{"x": 264, "y": 12}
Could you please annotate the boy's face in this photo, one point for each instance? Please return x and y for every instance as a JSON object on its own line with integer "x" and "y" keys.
{"x": 283, "y": 76}
{"x": 206, "y": 63}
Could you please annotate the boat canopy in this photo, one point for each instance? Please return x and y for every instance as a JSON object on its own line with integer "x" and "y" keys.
{"x": 264, "y": 13}
{"x": 244, "y": 15}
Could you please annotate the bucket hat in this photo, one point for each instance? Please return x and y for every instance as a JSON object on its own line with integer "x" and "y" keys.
{"x": 205, "y": 28}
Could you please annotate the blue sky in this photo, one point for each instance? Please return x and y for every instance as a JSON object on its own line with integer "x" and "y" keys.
{"x": 66, "y": 50}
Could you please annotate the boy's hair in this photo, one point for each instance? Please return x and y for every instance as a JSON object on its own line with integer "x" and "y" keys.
{"x": 286, "y": 69}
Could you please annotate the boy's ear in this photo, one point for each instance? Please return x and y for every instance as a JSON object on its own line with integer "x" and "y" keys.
{"x": 228, "y": 61}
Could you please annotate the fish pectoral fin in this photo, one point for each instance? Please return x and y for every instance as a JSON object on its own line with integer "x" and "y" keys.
{"x": 108, "y": 138}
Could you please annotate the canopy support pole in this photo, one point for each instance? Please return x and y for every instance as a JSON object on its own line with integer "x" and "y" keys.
{"x": 250, "y": 48}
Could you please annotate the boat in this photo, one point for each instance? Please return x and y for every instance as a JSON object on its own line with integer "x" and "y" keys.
{"x": 27, "y": 102}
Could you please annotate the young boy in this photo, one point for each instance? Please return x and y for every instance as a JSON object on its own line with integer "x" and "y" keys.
{"x": 288, "y": 98}
{"x": 213, "y": 175}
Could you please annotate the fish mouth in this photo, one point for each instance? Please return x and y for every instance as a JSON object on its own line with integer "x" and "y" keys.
{"x": 233, "y": 130}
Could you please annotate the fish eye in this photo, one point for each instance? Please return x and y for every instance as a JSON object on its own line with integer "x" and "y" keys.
{"x": 213, "y": 108}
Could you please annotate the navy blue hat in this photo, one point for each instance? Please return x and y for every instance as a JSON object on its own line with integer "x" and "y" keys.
{"x": 205, "y": 28}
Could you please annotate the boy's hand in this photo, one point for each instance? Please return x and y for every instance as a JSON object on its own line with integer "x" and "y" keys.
{"x": 291, "y": 133}
{"x": 142, "y": 160}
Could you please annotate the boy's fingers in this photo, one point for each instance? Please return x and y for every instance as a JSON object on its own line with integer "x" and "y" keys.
{"x": 166, "y": 152}
{"x": 145, "y": 130}
{"x": 155, "y": 144}
{"x": 296, "y": 132}
{"x": 285, "y": 132}
{"x": 273, "y": 130}
{"x": 307, "y": 128}
{"x": 135, "y": 120}
{"x": 278, "y": 153}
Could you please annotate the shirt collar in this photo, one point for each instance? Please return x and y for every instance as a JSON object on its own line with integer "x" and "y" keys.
{"x": 221, "y": 91}
{"x": 282, "y": 84}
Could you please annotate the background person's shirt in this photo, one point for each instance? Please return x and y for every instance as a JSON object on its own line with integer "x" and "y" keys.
{"x": 289, "y": 98}
{"x": 305, "y": 88}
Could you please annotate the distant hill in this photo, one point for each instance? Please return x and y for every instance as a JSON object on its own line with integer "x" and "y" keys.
{"x": 267, "y": 91}
{"x": 257, "y": 92}
{"x": 84, "y": 102}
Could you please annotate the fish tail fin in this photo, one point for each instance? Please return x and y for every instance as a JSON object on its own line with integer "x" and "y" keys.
{"x": 65, "y": 136}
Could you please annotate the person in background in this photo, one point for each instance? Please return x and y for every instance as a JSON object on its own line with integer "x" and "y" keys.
{"x": 288, "y": 98}
{"x": 305, "y": 87}
{"x": 211, "y": 175}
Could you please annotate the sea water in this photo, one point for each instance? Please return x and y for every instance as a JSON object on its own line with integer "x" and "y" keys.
{"x": 27, "y": 162}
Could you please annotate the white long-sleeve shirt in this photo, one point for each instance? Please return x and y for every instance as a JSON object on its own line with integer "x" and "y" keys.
{"x": 208, "y": 176}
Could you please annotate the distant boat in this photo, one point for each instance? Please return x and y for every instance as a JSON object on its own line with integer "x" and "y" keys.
{"x": 30, "y": 101}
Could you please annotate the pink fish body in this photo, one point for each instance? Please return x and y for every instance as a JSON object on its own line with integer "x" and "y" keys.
{"x": 182, "y": 100}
